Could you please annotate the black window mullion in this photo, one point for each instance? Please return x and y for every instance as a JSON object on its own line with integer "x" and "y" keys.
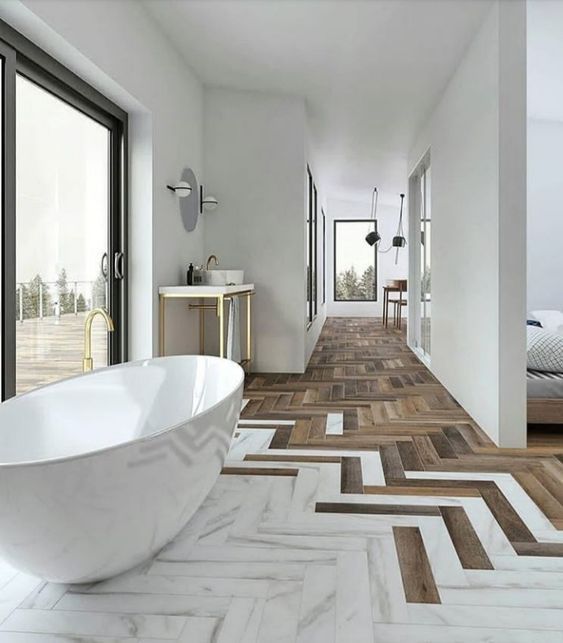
{"x": 8, "y": 220}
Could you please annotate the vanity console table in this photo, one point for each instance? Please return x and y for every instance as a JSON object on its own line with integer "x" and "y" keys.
{"x": 218, "y": 295}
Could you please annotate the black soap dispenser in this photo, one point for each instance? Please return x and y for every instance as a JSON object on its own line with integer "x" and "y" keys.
{"x": 190, "y": 275}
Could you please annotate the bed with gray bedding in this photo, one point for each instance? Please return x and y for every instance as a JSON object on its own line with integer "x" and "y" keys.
{"x": 542, "y": 384}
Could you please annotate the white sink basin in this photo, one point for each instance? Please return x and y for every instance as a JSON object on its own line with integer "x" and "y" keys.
{"x": 224, "y": 277}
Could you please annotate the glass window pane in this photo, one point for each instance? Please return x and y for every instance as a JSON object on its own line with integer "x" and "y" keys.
{"x": 62, "y": 211}
{"x": 354, "y": 261}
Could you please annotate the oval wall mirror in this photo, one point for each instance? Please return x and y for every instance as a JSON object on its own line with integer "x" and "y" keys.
{"x": 189, "y": 206}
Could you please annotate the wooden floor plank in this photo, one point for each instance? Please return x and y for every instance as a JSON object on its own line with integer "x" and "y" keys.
{"x": 469, "y": 549}
{"x": 418, "y": 580}
{"x": 351, "y": 475}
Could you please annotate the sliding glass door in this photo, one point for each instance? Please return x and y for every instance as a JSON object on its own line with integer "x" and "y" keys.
{"x": 64, "y": 222}
{"x": 425, "y": 261}
{"x": 421, "y": 257}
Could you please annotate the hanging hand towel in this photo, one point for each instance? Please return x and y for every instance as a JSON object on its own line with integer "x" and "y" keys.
{"x": 233, "y": 331}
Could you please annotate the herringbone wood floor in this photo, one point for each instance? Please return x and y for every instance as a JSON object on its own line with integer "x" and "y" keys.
{"x": 358, "y": 503}
{"x": 428, "y": 446}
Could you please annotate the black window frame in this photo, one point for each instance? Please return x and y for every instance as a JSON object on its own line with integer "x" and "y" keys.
{"x": 361, "y": 240}
{"x": 22, "y": 57}
{"x": 311, "y": 261}
{"x": 323, "y": 215}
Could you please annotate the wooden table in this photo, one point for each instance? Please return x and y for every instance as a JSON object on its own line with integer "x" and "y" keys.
{"x": 217, "y": 293}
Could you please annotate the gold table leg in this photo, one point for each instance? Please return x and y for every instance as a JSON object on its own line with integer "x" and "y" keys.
{"x": 221, "y": 313}
{"x": 202, "y": 329}
{"x": 161, "y": 336}
{"x": 248, "y": 330}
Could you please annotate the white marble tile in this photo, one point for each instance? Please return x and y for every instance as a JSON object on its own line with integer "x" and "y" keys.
{"x": 273, "y": 571}
{"x": 487, "y": 615}
{"x": 317, "y": 615}
{"x": 521, "y": 579}
{"x": 499, "y": 596}
{"x": 249, "y": 441}
{"x": 279, "y": 498}
{"x": 440, "y": 634}
{"x": 318, "y": 542}
{"x": 123, "y": 603}
{"x": 28, "y": 637}
{"x": 372, "y": 471}
{"x": 242, "y": 621}
{"x": 251, "y": 422}
{"x": 281, "y": 613}
{"x": 353, "y": 600}
{"x": 182, "y": 585}
{"x": 94, "y": 624}
{"x": 523, "y": 564}
{"x": 334, "y": 423}
{"x": 386, "y": 587}
{"x": 15, "y": 591}
{"x": 243, "y": 404}
{"x": 305, "y": 491}
{"x": 262, "y": 555}
{"x": 488, "y": 530}
{"x": 196, "y": 630}
{"x": 444, "y": 561}
{"x": 45, "y": 597}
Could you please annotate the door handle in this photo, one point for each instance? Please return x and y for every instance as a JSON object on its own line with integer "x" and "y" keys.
{"x": 118, "y": 258}
{"x": 104, "y": 265}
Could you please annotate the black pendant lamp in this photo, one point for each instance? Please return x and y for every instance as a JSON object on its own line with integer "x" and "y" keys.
{"x": 373, "y": 237}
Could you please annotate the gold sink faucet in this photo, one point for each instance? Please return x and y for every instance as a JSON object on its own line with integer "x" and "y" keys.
{"x": 88, "y": 362}
{"x": 210, "y": 259}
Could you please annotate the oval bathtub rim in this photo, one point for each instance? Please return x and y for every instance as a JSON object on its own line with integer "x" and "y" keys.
{"x": 121, "y": 445}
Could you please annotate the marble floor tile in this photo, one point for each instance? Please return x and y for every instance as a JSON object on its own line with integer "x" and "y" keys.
{"x": 489, "y": 616}
{"x": 353, "y": 599}
{"x": 449, "y": 634}
{"x": 166, "y": 604}
{"x": 249, "y": 441}
{"x": 181, "y": 585}
{"x": 242, "y": 621}
{"x": 334, "y": 423}
{"x": 317, "y": 614}
{"x": 94, "y": 624}
{"x": 280, "y": 616}
{"x": 386, "y": 587}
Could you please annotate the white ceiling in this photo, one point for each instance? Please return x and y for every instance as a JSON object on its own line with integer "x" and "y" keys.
{"x": 545, "y": 59}
{"x": 370, "y": 71}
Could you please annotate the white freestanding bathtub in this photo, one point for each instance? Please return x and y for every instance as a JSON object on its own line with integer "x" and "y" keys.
{"x": 100, "y": 471}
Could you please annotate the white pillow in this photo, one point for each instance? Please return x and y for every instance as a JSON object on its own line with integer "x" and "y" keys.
{"x": 545, "y": 350}
{"x": 551, "y": 320}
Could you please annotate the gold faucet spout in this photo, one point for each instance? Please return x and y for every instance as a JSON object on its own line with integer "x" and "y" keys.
{"x": 210, "y": 259}
{"x": 88, "y": 362}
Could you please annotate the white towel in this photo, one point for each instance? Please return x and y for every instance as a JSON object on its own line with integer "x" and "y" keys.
{"x": 233, "y": 331}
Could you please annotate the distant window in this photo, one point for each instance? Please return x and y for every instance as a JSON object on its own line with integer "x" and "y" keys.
{"x": 355, "y": 262}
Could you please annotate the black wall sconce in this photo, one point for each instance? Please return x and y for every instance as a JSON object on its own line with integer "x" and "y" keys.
{"x": 207, "y": 202}
{"x": 181, "y": 189}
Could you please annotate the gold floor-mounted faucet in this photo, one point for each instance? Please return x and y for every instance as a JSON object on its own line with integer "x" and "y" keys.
{"x": 210, "y": 259}
{"x": 88, "y": 362}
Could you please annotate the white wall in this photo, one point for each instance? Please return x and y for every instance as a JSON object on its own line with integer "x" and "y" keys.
{"x": 476, "y": 135}
{"x": 545, "y": 215}
{"x": 255, "y": 166}
{"x": 387, "y": 220}
{"x": 118, "y": 49}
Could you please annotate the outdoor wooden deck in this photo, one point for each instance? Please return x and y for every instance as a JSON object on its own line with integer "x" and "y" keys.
{"x": 51, "y": 349}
